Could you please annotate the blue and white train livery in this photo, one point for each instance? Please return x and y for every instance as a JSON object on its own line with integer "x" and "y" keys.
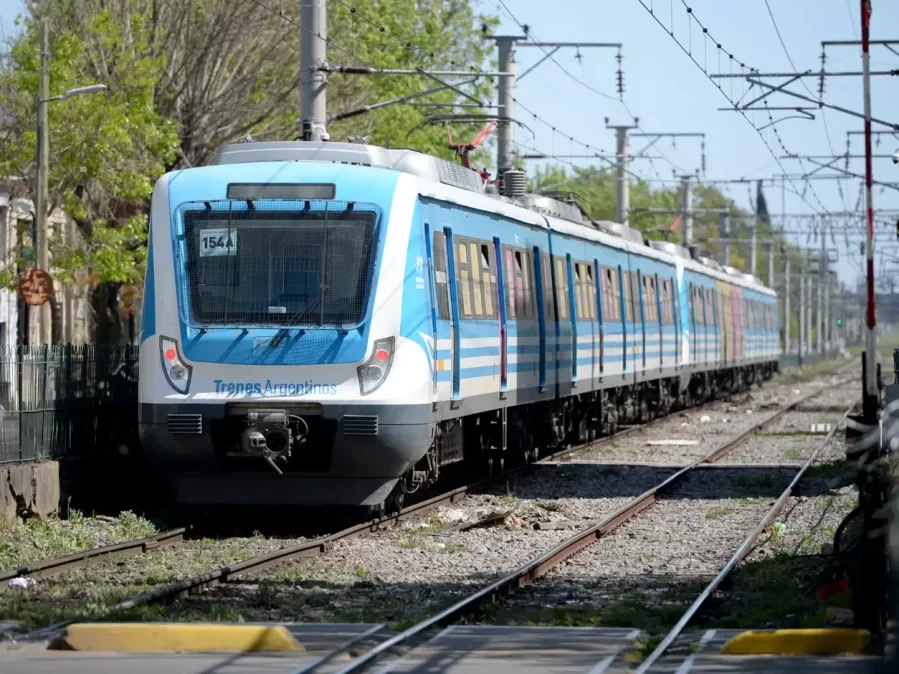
{"x": 331, "y": 323}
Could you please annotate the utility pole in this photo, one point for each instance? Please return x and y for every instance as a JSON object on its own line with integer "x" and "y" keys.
{"x": 687, "y": 205}
{"x": 623, "y": 190}
{"x": 870, "y": 397}
{"x": 822, "y": 279}
{"x": 505, "y": 129}
{"x": 723, "y": 235}
{"x": 803, "y": 329}
{"x": 770, "y": 277}
{"x": 827, "y": 313}
{"x": 622, "y": 178}
{"x": 41, "y": 247}
{"x": 786, "y": 322}
{"x": 313, "y": 81}
{"x": 753, "y": 234}
{"x": 808, "y": 313}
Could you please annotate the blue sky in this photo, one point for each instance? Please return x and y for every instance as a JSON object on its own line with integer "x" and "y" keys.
{"x": 669, "y": 93}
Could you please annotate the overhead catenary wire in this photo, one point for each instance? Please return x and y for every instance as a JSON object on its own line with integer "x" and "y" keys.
{"x": 811, "y": 93}
{"x": 731, "y": 59}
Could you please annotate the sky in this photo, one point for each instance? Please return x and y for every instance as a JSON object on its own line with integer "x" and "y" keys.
{"x": 669, "y": 93}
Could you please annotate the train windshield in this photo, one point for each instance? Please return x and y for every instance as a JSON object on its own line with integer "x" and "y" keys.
{"x": 278, "y": 268}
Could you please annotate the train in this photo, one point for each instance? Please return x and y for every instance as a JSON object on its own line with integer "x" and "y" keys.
{"x": 334, "y": 324}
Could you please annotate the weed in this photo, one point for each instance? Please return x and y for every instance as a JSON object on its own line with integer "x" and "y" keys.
{"x": 361, "y": 572}
{"x": 719, "y": 511}
{"x": 455, "y": 547}
{"x": 641, "y": 648}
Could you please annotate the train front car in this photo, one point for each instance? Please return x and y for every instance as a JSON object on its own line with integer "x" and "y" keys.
{"x": 272, "y": 370}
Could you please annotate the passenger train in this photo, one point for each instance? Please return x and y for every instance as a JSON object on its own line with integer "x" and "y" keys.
{"x": 333, "y": 323}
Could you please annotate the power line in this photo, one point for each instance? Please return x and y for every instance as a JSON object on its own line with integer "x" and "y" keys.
{"x": 802, "y": 82}
{"x": 708, "y": 36}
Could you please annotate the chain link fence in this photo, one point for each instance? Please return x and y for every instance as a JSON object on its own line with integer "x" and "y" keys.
{"x": 67, "y": 400}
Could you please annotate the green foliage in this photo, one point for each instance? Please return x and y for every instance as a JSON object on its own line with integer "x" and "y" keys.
{"x": 106, "y": 151}
{"x": 184, "y": 78}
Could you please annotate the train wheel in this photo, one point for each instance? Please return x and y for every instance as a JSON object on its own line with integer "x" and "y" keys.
{"x": 395, "y": 501}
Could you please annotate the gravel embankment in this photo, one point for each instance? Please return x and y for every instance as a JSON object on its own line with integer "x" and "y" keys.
{"x": 405, "y": 574}
{"x": 712, "y": 426}
{"x": 647, "y": 572}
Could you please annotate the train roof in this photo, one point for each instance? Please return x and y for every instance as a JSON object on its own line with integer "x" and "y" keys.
{"x": 439, "y": 178}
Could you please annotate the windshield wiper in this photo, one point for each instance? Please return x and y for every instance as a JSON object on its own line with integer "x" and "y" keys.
{"x": 283, "y": 332}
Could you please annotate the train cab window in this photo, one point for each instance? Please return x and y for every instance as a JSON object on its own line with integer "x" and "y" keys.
{"x": 549, "y": 309}
{"x": 441, "y": 282}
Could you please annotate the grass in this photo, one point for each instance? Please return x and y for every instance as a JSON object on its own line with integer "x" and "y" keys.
{"x": 33, "y": 540}
{"x": 719, "y": 511}
{"x": 829, "y": 470}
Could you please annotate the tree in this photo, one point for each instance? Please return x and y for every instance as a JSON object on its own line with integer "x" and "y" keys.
{"x": 186, "y": 77}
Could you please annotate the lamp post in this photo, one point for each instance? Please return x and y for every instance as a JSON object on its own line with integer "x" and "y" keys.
{"x": 41, "y": 250}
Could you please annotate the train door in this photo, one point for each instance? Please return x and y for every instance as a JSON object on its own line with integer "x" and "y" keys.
{"x": 564, "y": 330}
{"x": 500, "y": 286}
{"x": 694, "y": 321}
{"x": 543, "y": 311}
{"x": 660, "y": 317}
{"x": 445, "y": 313}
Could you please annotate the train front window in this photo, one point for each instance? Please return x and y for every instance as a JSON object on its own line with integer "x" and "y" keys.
{"x": 278, "y": 268}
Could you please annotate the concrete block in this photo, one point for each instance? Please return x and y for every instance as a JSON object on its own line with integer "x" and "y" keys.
{"x": 7, "y": 502}
{"x": 46, "y": 489}
{"x": 29, "y": 489}
{"x": 21, "y": 486}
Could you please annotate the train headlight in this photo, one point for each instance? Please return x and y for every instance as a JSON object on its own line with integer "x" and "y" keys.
{"x": 177, "y": 372}
{"x": 373, "y": 372}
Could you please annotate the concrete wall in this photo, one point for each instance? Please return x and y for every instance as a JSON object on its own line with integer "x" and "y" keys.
{"x": 29, "y": 490}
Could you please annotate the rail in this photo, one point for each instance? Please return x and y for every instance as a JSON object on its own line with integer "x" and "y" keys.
{"x": 541, "y": 565}
{"x": 737, "y": 557}
{"x": 324, "y": 544}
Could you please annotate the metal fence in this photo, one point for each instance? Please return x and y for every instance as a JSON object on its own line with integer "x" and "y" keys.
{"x": 67, "y": 400}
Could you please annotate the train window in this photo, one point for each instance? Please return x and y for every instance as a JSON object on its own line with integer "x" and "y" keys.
{"x": 611, "y": 309}
{"x": 463, "y": 279}
{"x": 441, "y": 284}
{"x": 476, "y": 291}
{"x": 523, "y": 284}
{"x": 549, "y": 309}
{"x": 635, "y": 295}
{"x": 667, "y": 302}
{"x": 561, "y": 288}
{"x": 591, "y": 293}
{"x": 510, "y": 283}
{"x": 578, "y": 291}
{"x": 530, "y": 288}
{"x": 651, "y": 307}
{"x": 488, "y": 278}
{"x": 628, "y": 303}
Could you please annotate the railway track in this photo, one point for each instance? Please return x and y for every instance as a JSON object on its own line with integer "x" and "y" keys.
{"x": 549, "y": 560}
{"x": 323, "y": 545}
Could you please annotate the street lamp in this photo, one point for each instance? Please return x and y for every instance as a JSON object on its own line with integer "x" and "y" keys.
{"x": 42, "y": 256}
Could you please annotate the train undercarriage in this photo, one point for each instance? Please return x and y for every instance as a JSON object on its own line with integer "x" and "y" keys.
{"x": 490, "y": 442}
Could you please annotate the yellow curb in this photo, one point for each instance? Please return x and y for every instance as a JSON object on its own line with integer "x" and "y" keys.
{"x": 798, "y": 642}
{"x": 175, "y": 637}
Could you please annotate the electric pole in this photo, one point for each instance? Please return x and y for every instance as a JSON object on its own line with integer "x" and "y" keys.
{"x": 622, "y": 163}
{"x": 753, "y": 234}
{"x": 870, "y": 397}
{"x": 687, "y": 205}
{"x": 505, "y": 130}
{"x": 723, "y": 235}
{"x": 42, "y": 249}
{"x": 802, "y": 315}
{"x": 313, "y": 81}
{"x": 786, "y": 322}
